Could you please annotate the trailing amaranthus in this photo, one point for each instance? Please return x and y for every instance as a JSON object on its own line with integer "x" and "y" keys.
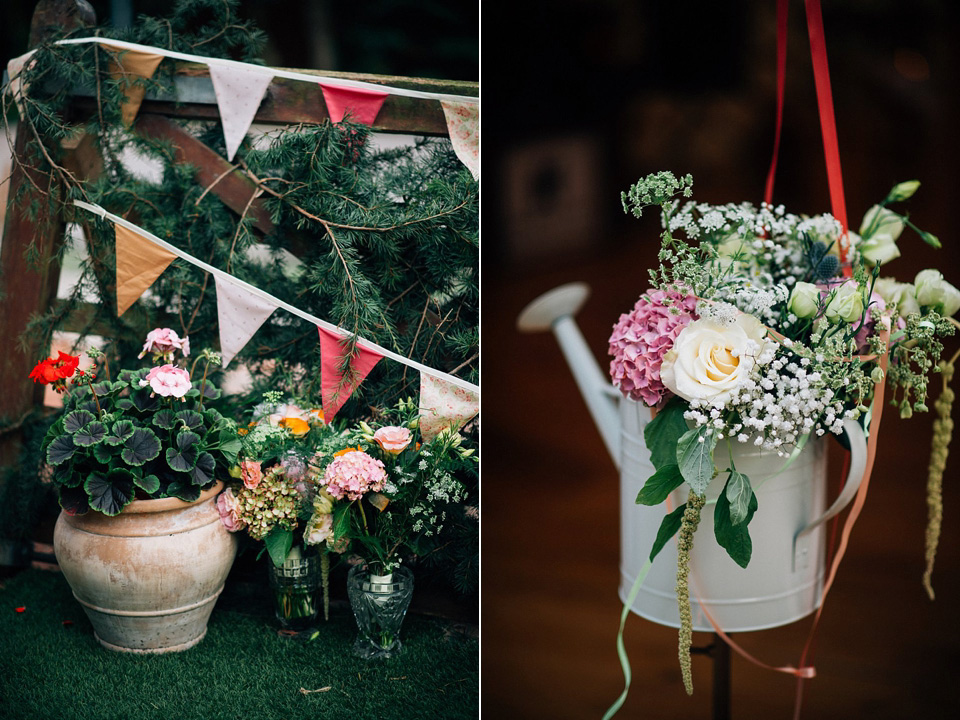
{"x": 688, "y": 526}
{"x": 940, "y": 447}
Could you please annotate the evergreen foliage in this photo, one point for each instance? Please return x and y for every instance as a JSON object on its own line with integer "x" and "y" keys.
{"x": 386, "y": 242}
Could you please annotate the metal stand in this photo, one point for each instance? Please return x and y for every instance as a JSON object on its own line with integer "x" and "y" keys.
{"x": 719, "y": 652}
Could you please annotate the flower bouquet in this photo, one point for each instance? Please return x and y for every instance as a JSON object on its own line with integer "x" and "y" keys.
{"x": 766, "y": 329}
{"x": 148, "y": 434}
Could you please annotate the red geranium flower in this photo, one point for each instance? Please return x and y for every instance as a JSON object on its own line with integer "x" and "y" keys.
{"x": 55, "y": 371}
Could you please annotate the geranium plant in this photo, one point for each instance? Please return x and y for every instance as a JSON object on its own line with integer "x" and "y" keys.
{"x": 766, "y": 328}
{"x": 149, "y": 433}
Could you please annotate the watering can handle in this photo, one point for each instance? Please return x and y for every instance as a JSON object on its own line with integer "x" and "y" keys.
{"x": 858, "y": 463}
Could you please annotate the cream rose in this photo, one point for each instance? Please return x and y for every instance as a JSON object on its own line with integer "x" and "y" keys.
{"x": 709, "y": 361}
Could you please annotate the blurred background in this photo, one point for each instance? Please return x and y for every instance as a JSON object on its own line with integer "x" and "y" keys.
{"x": 586, "y": 98}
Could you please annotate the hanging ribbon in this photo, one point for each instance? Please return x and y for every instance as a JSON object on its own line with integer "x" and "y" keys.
{"x": 782, "y": 15}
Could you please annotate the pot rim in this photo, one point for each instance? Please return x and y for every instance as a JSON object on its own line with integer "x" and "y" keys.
{"x": 163, "y": 504}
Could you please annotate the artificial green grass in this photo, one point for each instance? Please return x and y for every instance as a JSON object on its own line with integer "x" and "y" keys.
{"x": 242, "y": 669}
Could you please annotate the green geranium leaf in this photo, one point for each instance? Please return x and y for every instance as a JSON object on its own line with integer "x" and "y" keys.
{"x": 739, "y": 494}
{"x": 664, "y": 432}
{"x": 183, "y": 490}
{"x": 120, "y": 432}
{"x": 61, "y": 450}
{"x": 190, "y": 418}
{"x": 143, "y": 402}
{"x": 74, "y": 500}
{"x": 149, "y": 483}
{"x": 106, "y": 387}
{"x": 111, "y": 492}
{"x": 735, "y": 539}
{"x": 90, "y": 434}
{"x": 164, "y": 419}
{"x": 140, "y": 447}
{"x": 124, "y": 404}
{"x": 694, "y": 454}
{"x": 182, "y": 457}
{"x": 278, "y": 543}
{"x": 663, "y": 482}
{"x": 76, "y": 420}
{"x": 104, "y": 453}
{"x": 230, "y": 446}
{"x": 202, "y": 472}
{"x": 668, "y": 528}
{"x": 66, "y": 475}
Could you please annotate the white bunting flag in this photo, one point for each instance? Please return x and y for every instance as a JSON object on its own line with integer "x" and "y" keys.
{"x": 463, "y": 125}
{"x": 443, "y": 404}
{"x": 239, "y": 92}
{"x": 241, "y": 314}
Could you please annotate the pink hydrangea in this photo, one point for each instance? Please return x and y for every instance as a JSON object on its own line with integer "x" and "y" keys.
{"x": 642, "y": 337}
{"x": 353, "y": 474}
{"x": 168, "y": 381}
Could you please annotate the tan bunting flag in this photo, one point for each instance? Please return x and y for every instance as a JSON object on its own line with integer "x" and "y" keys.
{"x": 239, "y": 92}
{"x": 128, "y": 66}
{"x": 139, "y": 264}
{"x": 241, "y": 313}
{"x": 463, "y": 125}
{"x": 335, "y": 388}
{"x": 444, "y": 405}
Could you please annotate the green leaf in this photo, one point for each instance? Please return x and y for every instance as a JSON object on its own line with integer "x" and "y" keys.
{"x": 143, "y": 402}
{"x": 202, "y": 472}
{"x": 659, "y": 485}
{"x": 183, "y": 456}
{"x": 183, "y": 490}
{"x": 735, "y": 539}
{"x": 90, "y": 434}
{"x": 664, "y": 431}
{"x": 76, "y": 420}
{"x": 739, "y": 494}
{"x": 66, "y": 475}
{"x": 278, "y": 543}
{"x": 190, "y": 418}
{"x": 111, "y": 492}
{"x": 73, "y": 500}
{"x": 140, "y": 447}
{"x": 668, "y": 528}
{"x": 120, "y": 432}
{"x": 695, "y": 457}
{"x": 61, "y": 450}
{"x": 164, "y": 419}
{"x": 149, "y": 483}
{"x": 104, "y": 453}
{"x": 230, "y": 445}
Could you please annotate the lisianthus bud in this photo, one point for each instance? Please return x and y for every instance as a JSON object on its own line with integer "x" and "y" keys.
{"x": 936, "y": 293}
{"x": 845, "y": 305}
{"x": 804, "y": 300}
{"x": 903, "y": 191}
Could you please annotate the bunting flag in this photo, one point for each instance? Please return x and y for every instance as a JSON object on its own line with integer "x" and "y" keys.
{"x": 239, "y": 91}
{"x": 139, "y": 264}
{"x": 444, "y": 405}
{"x": 463, "y": 125}
{"x": 360, "y": 104}
{"x": 241, "y": 313}
{"x": 335, "y": 389}
{"x": 128, "y": 66}
{"x": 15, "y": 84}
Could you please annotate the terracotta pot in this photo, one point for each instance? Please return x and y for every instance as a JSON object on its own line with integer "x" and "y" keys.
{"x": 149, "y": 577}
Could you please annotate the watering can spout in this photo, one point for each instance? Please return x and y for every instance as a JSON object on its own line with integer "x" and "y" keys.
{"x": 554, "y": 311}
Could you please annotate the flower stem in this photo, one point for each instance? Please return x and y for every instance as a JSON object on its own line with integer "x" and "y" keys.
{"x": 688, "y": 526}
{"x": 95, "y": 398}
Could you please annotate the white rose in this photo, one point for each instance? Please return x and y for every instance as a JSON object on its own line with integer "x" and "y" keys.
{"x": 901, "y": 295}
{"x": 935, "y": 292}
{"x": 845, "y": 304}
{"x": 708, "y": 361}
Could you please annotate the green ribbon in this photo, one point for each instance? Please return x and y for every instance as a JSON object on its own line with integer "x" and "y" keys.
{"x": 621, "y": 650}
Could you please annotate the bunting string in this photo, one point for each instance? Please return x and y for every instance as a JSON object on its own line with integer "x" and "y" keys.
{"x": 221, "y": 276}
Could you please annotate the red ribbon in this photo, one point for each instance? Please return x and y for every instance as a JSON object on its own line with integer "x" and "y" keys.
{"x": 782, "y": 15}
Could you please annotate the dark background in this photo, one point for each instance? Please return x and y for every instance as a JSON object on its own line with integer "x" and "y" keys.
{"x": 582, "y": 99}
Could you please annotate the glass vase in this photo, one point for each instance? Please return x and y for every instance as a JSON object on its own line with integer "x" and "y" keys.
{"x": 379, "y": 604}
{"x": 295, "y": 586}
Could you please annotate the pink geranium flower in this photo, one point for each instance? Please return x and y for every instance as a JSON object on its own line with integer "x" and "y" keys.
{"x": 642, "y": 337}
{"x": 164, "y": 341}
{"x": 168, "y": 381}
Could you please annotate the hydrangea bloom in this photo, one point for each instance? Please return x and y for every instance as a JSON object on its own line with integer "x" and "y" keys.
{"x": 642, "y": 337}
{"x": 354, "y": 474}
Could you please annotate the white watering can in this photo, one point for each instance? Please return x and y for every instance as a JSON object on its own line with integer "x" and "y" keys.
{"x": 784, "y": 579}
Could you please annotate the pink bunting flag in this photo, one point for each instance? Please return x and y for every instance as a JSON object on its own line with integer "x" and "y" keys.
{"x": 444, "y": 405}
{"x": 463, "y": 126}
{"x": 239, "y": 93}
{"x": 241, "y": 313}
{"x": 336, "y": 389}
{"x": 360, "y": 104}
